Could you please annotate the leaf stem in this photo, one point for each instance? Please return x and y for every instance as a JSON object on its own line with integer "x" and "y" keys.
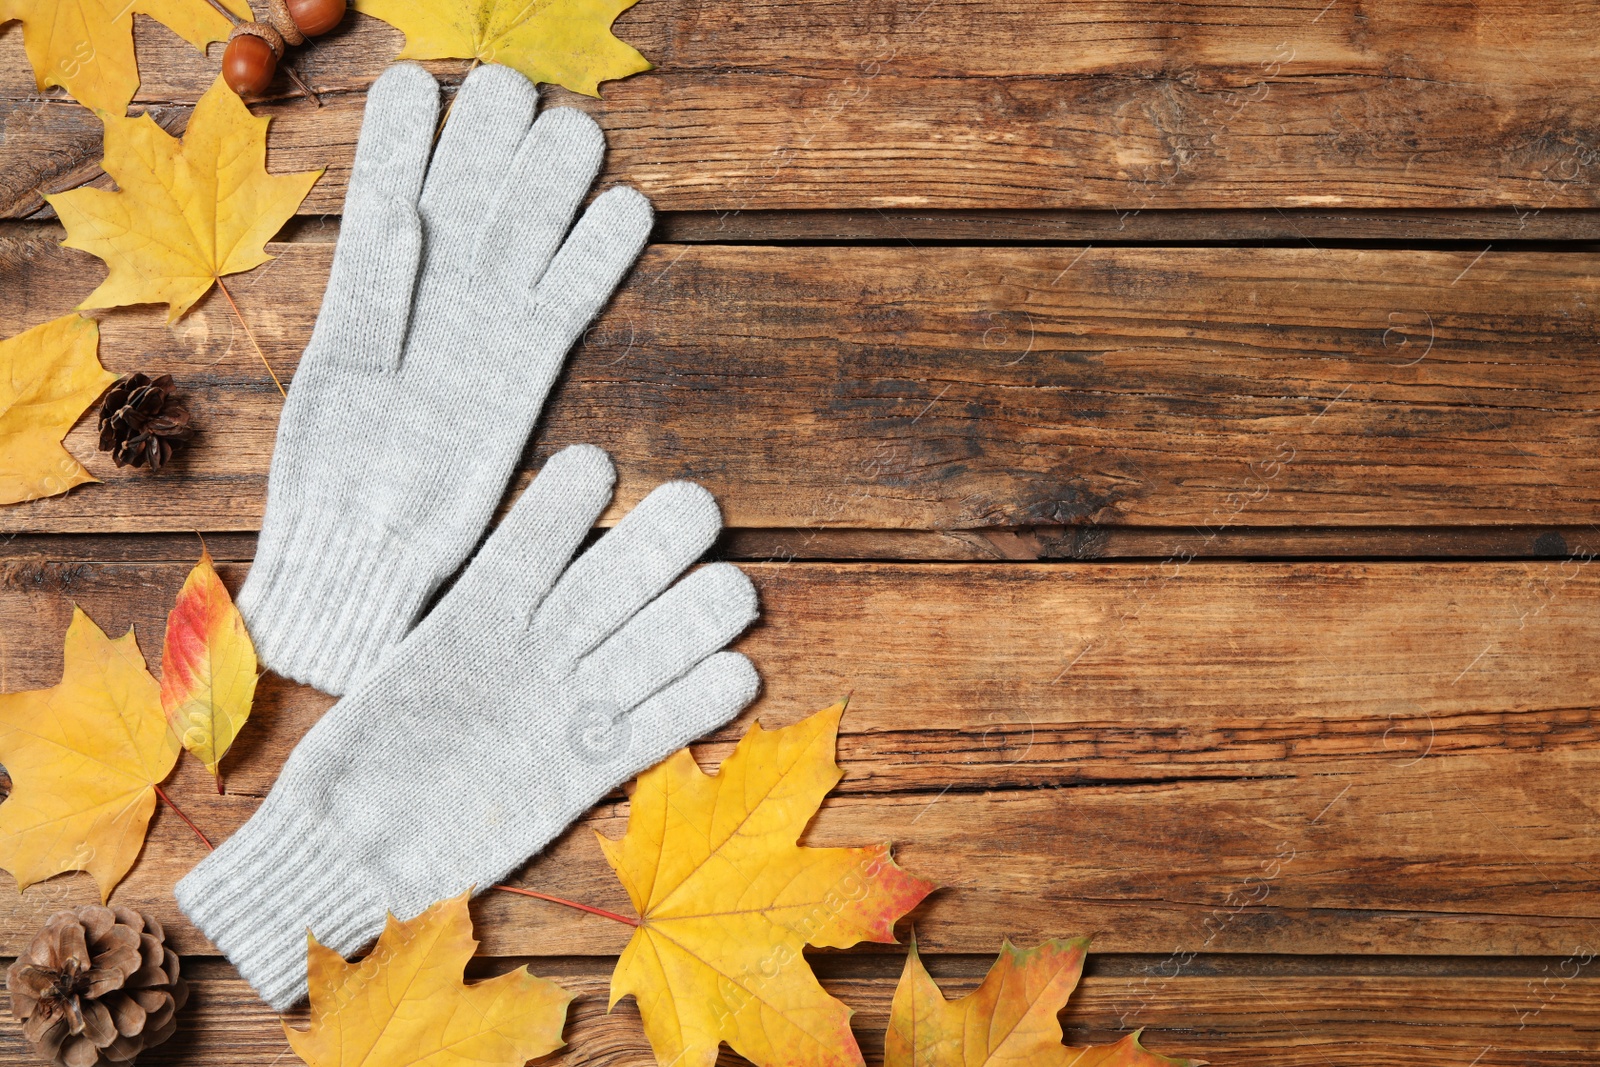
{"x": 253, "y": 341}
{"x": 162, "y": 793}
{"x": 603, "y": 913}
{"x": 229, "y": 15}
{"x": 301, "y": 84}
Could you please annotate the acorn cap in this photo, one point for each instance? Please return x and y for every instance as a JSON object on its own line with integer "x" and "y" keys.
{"x": 278, "y": 15}
{"x": 264, "y": 31}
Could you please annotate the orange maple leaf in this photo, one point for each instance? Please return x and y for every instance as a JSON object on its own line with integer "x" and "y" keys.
{"x": 406, "y": 1003}
{"x": 85, "y": 758}
{"x": 184, "y": 213}
{"x": 1010, "y": 1018}
{"x": 728, "y": 900}
{"x": 86, "y": 46}
{"x": 48, "y": 376}
{"x": 566, "y": 42}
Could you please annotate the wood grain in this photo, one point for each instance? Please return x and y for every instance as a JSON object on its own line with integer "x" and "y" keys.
{"x": 962, "y": 388}
{"x": 1246, "y": 1021}
{"x": 1301, "y": 758}
{"x": 998, "y": 104}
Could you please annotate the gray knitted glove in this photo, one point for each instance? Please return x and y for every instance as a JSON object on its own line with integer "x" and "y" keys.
{"x": 516, "y": 704}
{"x": 451, "y": 306}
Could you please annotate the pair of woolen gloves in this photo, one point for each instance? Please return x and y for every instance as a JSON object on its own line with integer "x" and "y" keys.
{"x": 472, "y": 732}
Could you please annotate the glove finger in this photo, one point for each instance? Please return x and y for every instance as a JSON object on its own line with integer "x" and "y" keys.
{"x": 592, "y": 261}
{"x": 690, "y": 708}
{"x": 488, "y": 121}
{"x": 396, "y": 136}
{"x": 627, "y": 569}
{"x": 552, "y": 172}
{"x": 595, "y": 751}
{"x": 367, "y": 305}
{"x": 531, "y": 547}
{"x": 696, "y": 617}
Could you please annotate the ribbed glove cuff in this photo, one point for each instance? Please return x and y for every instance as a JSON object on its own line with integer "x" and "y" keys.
{"x": 255, "y": 896}
{"x": 323, "y": 601}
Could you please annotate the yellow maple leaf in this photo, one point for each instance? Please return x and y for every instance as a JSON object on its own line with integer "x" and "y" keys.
{"x": 1010, "y": 1018}
{"x": 208, "y": 667}
{"x": 563, "y": 42}
{"x": 406, "y": 1004}
{"x": 186, "y": 212}
{"x": 727, "y": 900}
{"x": 86, "y": 46}
{"x": 48, "y": 376}
{"x": 85, "y": 757}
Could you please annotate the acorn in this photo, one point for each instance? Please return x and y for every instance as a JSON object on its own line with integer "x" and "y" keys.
{"x": 314, "y": 17}
{"x": 254, "y": 48}
{"x": 251, "y": 58}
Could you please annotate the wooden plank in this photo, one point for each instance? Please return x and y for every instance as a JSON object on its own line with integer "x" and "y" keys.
{"x": 992, "y": 388}
{"x": 1297, "y": 758}
{"x": 1274, "y": 1021}
{"x": 1004, "y": 104}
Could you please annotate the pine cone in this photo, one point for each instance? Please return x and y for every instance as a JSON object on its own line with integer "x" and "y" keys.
{"x": 140, "y": 422}
{"x": 97, "y": 985}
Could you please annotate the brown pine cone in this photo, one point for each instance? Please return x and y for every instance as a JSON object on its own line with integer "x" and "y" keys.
{"x": 97, "y": 985}
{"x": 140, "y": 422}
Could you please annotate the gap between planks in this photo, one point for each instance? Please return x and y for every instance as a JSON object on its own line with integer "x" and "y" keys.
{"x": 1575, "y": 230}
{"x": 880, "y": 965}
{"x": 1030, "y": 544}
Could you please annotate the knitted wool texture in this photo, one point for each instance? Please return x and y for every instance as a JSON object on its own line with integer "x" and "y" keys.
{"x": 455, "y": 294}
{"x": 523, "y": 698}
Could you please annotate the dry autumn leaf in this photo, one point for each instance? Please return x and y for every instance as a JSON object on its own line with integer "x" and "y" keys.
{"x": 1010, "y": 1018}
{"x": 85, "y": 758}
{"x": 86, "y": 46}
{"x": 48, "y": 376}
{"x": 563, "y": 42}
{"x": 208, "y": 667}
{"x": 405, "y": 1003}
{"x": 727, "y": 900}
{"x": 186, "y": 212}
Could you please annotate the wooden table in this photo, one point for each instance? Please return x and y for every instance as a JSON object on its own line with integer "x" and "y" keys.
{"x": 1175, "y": 424}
